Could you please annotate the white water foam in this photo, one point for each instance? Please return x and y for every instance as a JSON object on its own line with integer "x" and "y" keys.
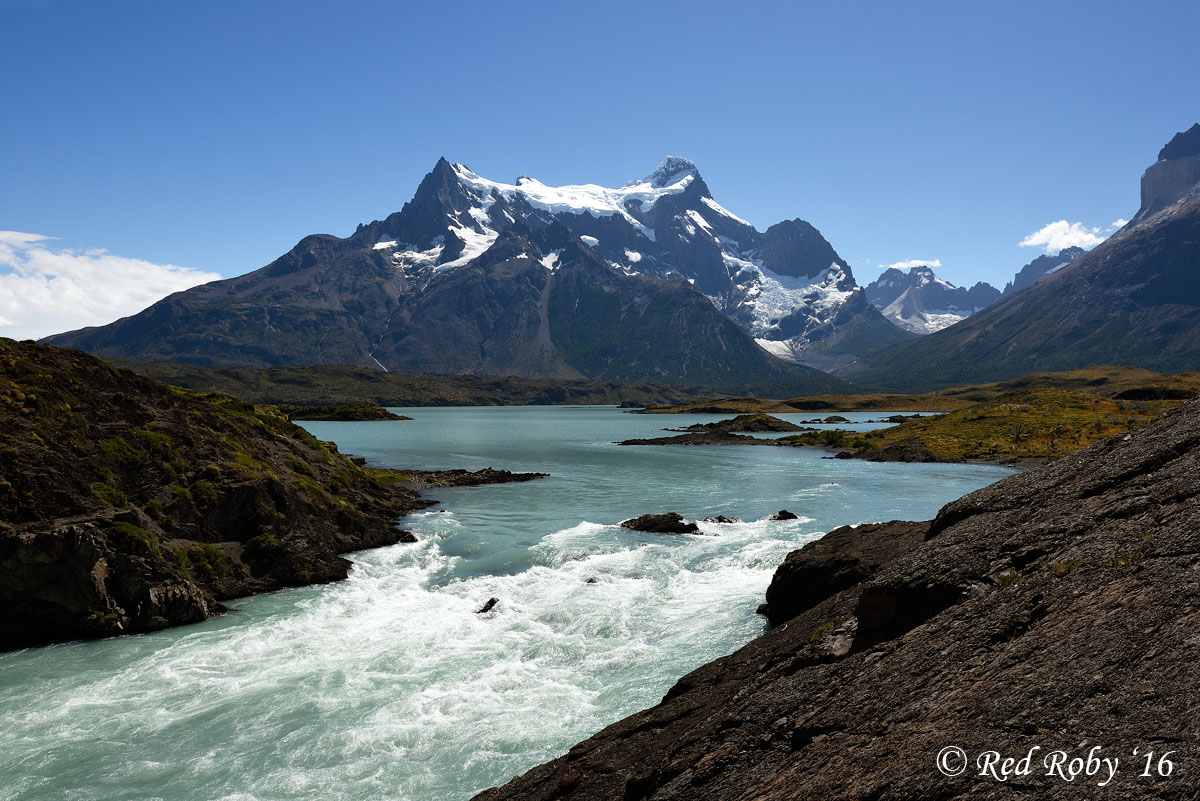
{"x": 390, "y": 685}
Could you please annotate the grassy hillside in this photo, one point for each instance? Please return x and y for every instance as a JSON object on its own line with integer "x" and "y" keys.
{"x": 1034, "y": 425}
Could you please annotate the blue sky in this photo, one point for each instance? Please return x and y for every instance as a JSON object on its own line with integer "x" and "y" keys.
{"x": 213, "y": 135}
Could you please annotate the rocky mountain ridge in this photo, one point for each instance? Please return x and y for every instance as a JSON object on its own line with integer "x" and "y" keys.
{"x": 476, "y": 276}
{"x": 918, "y": 301}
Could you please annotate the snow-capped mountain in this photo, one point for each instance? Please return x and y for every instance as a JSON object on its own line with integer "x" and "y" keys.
{"x": 646, "y": 281}
{"x": 920, "y": 302}
{"x": 786, "y": 287}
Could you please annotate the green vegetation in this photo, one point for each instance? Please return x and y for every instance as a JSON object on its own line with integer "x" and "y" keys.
{"x": 108, "y": 494}
{"x": 204, "y": 495}
{"x": 155, "y": 441}
{"x": 207, "y": 562}
{"x": 121, "y": 454}
{"x": 821, "y": 632}
{"x": 135, "y": 536}
{"x": 1039, "y": 425}
{"x": 1062, "y": 568}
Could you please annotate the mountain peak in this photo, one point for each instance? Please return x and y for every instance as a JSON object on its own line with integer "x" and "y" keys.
{"x": 1183, "y": 144}
{"x": 672, "y": 170}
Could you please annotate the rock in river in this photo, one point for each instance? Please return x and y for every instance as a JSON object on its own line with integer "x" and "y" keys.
{"x": 669, "y": 523}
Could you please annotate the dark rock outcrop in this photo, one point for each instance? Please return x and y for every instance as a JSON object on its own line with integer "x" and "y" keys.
{"x": 668, "y": 523}
{"x": 704, "y": 438}
{"x": 784, "y": 514}
{"x": 842, "y": 558}
{"x": 1056, "y": 609}
{"x": 906, "y": 450}
{"x": 745, "y": 423}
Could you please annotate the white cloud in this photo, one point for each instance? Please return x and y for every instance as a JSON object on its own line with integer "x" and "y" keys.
{"x": 20, "y": 239}
{"x": 1055, "y": 236}
{"x": 1120, "y": 222}
{"x": 45, "y": 290}
{"x": 910, "y": 263}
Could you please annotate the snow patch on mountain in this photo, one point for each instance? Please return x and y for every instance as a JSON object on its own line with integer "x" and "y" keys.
{"x": 769, "y": 297}
{"x": 672, "y": 177}
{"x": 474, "y": 245}
{"x": 699, "y": 220}
{"x": 719, "y": 209}
{"x": 779, "y": 348}
{"x": 410, "y": 258}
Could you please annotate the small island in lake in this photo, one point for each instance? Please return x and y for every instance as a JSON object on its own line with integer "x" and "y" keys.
{"x": 338, "y": 411}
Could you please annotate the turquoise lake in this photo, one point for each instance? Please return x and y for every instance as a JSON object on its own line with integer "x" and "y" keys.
{"x": 388, "y": 685}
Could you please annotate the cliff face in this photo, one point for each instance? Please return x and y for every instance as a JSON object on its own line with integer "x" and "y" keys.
{"x": 1166, "y": 181}
{"x": 1056, "y": 610}
{"x": 1176, "y": 171}
{"x": 129, "y": 506}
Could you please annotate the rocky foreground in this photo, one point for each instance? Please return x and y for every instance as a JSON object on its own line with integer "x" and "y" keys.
{"x": 1057, "y": 610}
{"x": 129, "y": 506}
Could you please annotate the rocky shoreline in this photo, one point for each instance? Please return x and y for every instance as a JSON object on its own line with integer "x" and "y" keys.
{"x": 128, "y": 506}
{"x": 1053, "y": 610}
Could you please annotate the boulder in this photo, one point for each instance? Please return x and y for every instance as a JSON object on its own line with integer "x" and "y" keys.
{"x": 840, "y": 559}
{"x": 668, "y": 523}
